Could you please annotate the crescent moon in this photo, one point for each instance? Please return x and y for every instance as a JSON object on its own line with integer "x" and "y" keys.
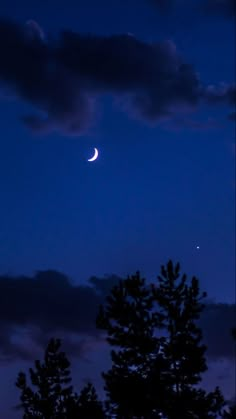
{"x": 95, "y": 156}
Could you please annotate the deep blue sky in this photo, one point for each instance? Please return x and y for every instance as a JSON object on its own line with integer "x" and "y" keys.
{"x": 156, "y": 192}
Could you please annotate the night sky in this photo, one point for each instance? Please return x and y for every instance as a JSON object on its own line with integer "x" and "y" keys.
{"x": 151, "y": 85}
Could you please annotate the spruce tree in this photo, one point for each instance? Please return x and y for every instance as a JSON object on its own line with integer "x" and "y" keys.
{"x": 231, "y": 413}
{"x": 158, "y": 357}
{"x": 88, "y": 404}
{"x": 180, "y": 305}
{"x": 51, "y": 395}
{"x": 129, "y": 322}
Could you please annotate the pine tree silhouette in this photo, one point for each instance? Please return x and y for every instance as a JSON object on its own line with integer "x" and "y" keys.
{"x": 158, "y": 357}
{"x": 231, "y": 414}
{"x": 88, "y": 404}
{"x": 51, "y": 395}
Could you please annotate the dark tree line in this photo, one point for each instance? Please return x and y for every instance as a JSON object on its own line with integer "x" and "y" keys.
{"x": 157, "y": 354}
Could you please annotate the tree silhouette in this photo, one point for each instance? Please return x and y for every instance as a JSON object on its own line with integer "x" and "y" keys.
{"x": 130, "y": 323}
{"x": 158, "y": 356}
{"x": 88, "y": 405}
{"x": 231, "y": 414}
{"x": 53, "y": 397}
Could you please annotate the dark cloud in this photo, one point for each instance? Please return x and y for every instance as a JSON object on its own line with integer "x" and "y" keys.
{"x": 221, "y": 94}
{"x": 224, "y": 8}
{"x": 64, "y": 78}
{"x": 217, "y": 322}
{"x": 104, "y": 285}
{"x": 221, "y": 8}
{"x": 50, "y": 301}
{"x": 27, "y": 67}
{"x": 34, "y": 309}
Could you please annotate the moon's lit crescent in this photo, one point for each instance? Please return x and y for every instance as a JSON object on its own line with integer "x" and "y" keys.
{"x": 95, "y": 156}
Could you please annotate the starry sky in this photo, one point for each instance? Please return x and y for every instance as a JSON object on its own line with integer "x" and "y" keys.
{"x": 151, "y": 84}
